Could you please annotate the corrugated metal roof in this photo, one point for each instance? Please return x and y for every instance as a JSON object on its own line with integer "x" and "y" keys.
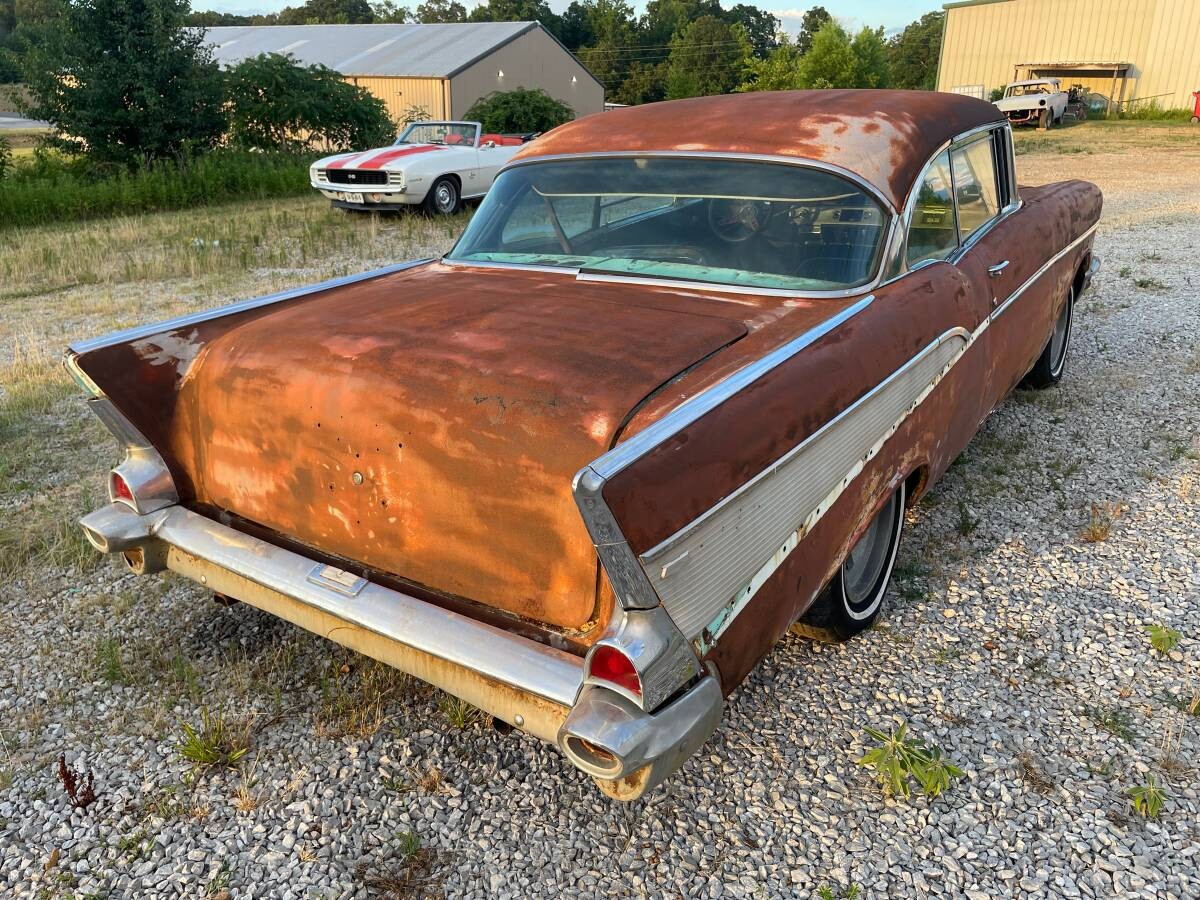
{"x": 433, "y": 51}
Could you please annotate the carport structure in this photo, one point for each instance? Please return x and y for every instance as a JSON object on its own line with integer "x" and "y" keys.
{"x": 1076, "y": 72}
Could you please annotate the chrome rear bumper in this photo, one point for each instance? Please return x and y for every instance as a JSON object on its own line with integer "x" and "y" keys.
{"x": 527, "y": 684}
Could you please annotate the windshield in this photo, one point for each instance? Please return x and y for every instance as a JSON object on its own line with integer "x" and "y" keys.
{"x": 721, "y": 221}
{"x": 438, "y": 133}
{"x": 1025, "y": 90}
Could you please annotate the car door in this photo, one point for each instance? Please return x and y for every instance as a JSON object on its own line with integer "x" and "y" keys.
{"x": 991, "y": 240}
{"x": 932, "y": 239}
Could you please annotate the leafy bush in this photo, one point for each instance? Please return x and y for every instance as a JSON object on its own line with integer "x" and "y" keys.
{"x": 275, "y": 104}
{"x": 1152, "y": 111}
{"x": 6, "y": 156}
{"x": 46, "y": 188}
{"x": 1147, "y": 799}
{"x": 897, "y": 757}
{"x": 1163, "y": 638}
{"x": 520, "y": 111}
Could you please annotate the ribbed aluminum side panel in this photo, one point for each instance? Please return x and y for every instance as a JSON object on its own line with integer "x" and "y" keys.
{"x": 715, "y": 556}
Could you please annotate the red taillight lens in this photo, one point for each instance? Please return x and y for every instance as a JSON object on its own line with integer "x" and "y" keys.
{"x": 120, "y": 489}
{"x": 611, "y": 665}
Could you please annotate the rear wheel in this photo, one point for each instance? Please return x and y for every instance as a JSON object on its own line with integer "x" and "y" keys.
{"x": 852, "y": 600}
{"x": 1049, "y": 368}
{"x": 443, "y": 197}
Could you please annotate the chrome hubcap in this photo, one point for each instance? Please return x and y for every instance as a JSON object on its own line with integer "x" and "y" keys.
{"x": 444, "y": 198}
{"x": 868, "y": 560}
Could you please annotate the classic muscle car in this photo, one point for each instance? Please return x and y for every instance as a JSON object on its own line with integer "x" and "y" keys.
{"x": 434, "y": 164}
{"x": 670, "y": 394}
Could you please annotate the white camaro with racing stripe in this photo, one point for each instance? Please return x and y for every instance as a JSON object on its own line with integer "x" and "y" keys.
{"x": 436, "y": 165}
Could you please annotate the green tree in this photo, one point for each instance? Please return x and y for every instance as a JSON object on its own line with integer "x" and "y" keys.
{"x": 611, "y": 25}
{"x": 518, "y": 11}
{"x": 127, "y": 81}
{"x": 519, "y": 111}
{"x": 432, "y": 11}
{"x": 913, "y": 53}
{"x": 830, "y": 62}
{"x": 870, "y": 59}
{"x": 779, "y": 71}
{"x": 762, "y": 28}
{"x": 812, "y": 22}
{"x": 577, "y": 27}
{"x": 709, "y": 56}
{"x": 388, "y": 12}
{"x": 334, "y": 12}
{"x": 275, "y": 104}
{"x": 645, "y": 83}
{"x": 664, "y": 19}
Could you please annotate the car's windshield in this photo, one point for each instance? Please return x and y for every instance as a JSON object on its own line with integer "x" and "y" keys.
{"x": 438, "y": 133}
{"x": 1024, "y": 90}
{"x": 749, "y": 223}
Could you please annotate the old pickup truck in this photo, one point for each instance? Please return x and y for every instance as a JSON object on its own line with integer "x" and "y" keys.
{"x": 669, "y": 395}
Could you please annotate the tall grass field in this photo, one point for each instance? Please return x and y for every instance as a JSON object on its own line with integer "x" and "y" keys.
{"x": 45, "y": 188}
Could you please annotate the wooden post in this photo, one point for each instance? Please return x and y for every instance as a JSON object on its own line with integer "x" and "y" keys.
{"x": 1111, "y": 92}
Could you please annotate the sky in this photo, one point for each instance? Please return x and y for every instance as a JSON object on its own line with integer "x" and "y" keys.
{"x": 891, "y": 14}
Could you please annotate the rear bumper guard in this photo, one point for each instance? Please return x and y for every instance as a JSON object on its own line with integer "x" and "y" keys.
{"x": 527, "y": 684}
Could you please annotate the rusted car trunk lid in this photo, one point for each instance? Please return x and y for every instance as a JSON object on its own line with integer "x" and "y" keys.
{"x": 429, "y": 424}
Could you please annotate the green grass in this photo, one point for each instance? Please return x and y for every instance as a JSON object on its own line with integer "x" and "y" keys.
{"x": 215, "y": 742}
{"x": 44, "y": 188}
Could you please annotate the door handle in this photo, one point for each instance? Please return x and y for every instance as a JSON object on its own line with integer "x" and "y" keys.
{"x": 998, "y": 269}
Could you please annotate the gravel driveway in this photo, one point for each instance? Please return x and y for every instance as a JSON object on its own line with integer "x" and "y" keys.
{"x": 1010, "y": 641}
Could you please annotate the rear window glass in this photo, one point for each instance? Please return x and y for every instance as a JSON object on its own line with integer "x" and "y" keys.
{"x": 714, "y": 220}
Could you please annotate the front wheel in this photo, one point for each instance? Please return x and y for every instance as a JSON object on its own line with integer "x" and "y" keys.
{"x": 852, "y": 600}
{"x": 1049, "y": 368}
{"x": 443, "y": 197}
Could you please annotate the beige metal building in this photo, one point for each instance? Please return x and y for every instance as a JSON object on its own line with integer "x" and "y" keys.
{"x": 440, "y": 70}
{"x": 1126, "y": 51}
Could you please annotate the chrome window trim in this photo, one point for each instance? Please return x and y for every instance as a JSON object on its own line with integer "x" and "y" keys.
{"x": 881, "y": 267}
{"x": 144, "y": 331}
{"x": 899, "y": 260}
{"x": 797, "y": 161}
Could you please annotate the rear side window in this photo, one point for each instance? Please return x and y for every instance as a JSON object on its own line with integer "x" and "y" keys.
{"x": 933, "y": 232}
{"x": 975, "y": 186}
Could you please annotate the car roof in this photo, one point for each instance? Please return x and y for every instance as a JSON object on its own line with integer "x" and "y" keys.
{"x": 884, "y": 137}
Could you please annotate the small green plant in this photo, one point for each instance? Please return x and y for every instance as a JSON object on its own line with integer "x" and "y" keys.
{"x": 896, "y": 758}
{"x": 459, "y": 713}
{"x": 108, "y": 661}
{"x": 1100, "y": 521}
{"x": 825, "y": 892}
{"x": 1125, "y": 271}
{"x": 1147, "y": 799}
{"x": 214, "y": 743}
{"x": 1163, "y": 639}
{"x": 1149, "y": 284}
{"x": 1114, "y": 720}
{"x": 6, "y": 156}
{"x": 967, "y": 523}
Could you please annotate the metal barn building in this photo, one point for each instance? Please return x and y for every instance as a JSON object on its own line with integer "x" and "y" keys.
{"x": 442, "y": 69}
{"x": 1123, "y": 50}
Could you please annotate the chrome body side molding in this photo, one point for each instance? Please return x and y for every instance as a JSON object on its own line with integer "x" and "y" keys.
{"x": 721, "y": 554}
{"x": 630, "y": 583}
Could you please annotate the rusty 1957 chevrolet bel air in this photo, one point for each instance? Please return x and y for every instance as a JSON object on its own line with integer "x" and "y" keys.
{"x": 669, "y": 394}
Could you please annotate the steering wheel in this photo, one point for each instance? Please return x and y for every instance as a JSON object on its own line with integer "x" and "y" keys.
{"x": 735, "y": 220}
